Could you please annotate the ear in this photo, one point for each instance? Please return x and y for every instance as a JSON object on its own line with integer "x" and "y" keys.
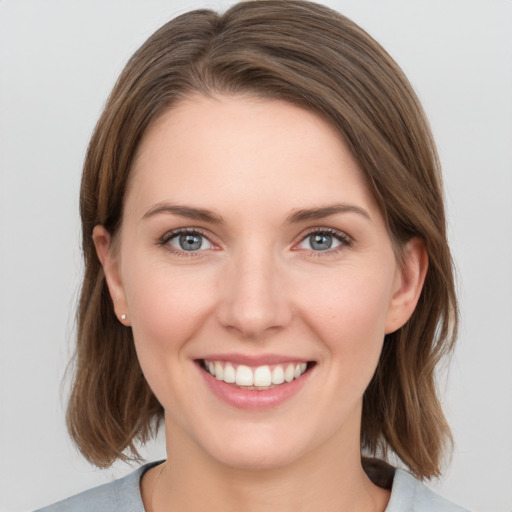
{"x": 409, "y": 283}
{"x": 110, "y": 262}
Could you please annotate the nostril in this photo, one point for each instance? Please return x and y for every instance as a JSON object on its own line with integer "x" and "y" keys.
{"x": 253, "y": 302}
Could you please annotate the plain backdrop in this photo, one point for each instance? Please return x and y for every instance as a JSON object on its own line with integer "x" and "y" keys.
{"x": 58, "y": 62}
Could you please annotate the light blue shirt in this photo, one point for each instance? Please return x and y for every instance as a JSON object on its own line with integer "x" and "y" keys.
{"x": 123, "y": 495}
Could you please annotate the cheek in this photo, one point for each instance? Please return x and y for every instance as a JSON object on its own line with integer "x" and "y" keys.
{"x": 348, "y": 313}
{"x": 166, "y": 300}
{"x": 166, "y": 311}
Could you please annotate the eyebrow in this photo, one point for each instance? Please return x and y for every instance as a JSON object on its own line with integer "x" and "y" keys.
{"x": 213, "y": 218}
{"x": 326, "y": 211}
{"x": 183, "y": 211}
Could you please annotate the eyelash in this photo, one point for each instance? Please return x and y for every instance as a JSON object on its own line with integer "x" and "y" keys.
{"x": 343, "y": 238}
{"x": 164, "y": 241}
{"x": 340, "y": 236}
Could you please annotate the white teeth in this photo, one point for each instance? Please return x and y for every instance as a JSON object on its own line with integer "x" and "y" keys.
{"x": 262, "y": 376}
{"x": 219, "y": 371}
{"x": 289, "y": 373}
{"x": 278, "y": 375}
{"x": 244, "y": 376}
{"x": 229, "y": 374}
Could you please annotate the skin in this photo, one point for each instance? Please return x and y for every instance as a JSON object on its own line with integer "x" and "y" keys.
{"x": 257, "y": 286}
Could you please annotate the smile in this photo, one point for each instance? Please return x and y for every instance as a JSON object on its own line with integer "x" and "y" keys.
{"x": 255, "y": 383}
{"x": 258, "y": 378}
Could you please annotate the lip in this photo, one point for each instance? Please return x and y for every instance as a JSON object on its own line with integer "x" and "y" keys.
{"x": 253, "y": 399}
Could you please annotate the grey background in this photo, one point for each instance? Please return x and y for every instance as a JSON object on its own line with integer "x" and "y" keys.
{"x": 58, "y": 62}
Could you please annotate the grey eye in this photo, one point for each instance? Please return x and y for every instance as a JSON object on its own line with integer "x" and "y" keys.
{"x": 190, "y": 242}
{"x": 320, "y": 241}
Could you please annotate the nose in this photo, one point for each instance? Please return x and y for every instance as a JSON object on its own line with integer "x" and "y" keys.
{"x": 254, "y": 296}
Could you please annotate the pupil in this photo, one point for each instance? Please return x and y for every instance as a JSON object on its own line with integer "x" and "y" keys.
{"x": 190, "y": 242}
{"x": 321, "y": 242}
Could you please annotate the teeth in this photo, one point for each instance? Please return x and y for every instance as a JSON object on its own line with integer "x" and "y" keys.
{"x": 278, "y": 375}
{"x": 289, "y": 373}
{"x": 229, "y": 374}
{"x": 244, "y": 376}
{"x": 260, "y": 377}
{"x": 219, "y": 371}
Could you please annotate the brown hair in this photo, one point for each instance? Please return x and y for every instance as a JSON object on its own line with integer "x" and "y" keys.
{"x": 313, "y": 57}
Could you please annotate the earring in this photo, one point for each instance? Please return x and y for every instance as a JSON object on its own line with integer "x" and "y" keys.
{"x": 123, "y": 317}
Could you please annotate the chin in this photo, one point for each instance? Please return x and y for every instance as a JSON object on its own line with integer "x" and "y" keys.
{"x": 255, "y": 458}
{"x": 254, "y": 447}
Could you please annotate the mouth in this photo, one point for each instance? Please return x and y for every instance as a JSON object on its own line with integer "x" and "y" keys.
{"x": 259, "y": 378}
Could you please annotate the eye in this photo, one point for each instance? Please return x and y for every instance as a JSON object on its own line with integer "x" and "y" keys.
{"x": 189, "y": 241}
{"x": 324, "y": 240}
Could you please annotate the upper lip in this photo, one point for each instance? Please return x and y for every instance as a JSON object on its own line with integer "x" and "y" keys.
{"x": 255, "y": 360}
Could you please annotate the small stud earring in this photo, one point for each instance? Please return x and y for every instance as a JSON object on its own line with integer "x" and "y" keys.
{"x": 123, "y": 317}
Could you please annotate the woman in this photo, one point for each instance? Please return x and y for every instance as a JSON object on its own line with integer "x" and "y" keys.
{"x": 266, "y": 271}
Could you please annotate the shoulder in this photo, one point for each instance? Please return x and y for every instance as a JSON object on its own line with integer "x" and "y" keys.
{"x": 411, "y": 495}
{"x": 122, "y": 495}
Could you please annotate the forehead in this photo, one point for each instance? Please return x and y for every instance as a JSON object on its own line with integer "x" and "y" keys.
{"x": 227, "y": 147}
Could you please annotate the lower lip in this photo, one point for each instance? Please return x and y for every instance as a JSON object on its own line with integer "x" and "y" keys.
{"x": 254, "y": 399}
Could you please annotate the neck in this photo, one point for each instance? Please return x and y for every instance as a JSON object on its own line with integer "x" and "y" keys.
{"x": 321, "y": 480}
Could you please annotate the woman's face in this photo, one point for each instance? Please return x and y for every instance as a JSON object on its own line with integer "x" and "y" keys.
{"x": 257, "y": 274}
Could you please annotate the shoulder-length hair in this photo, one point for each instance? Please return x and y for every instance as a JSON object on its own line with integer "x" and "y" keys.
{"x": 313, "y": 57}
